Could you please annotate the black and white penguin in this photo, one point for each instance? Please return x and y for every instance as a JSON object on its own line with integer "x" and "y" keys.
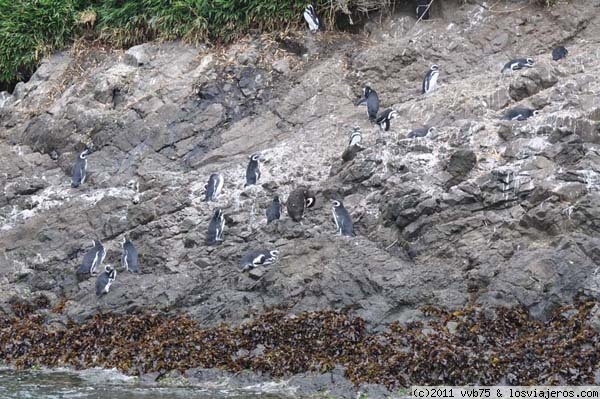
{"x": 274, "y": 210}
{"x": 372, "y": 99}
{"x": 385, "y": 118}
{"x": 519, "y": 113}
{"x": 559, "y": 52}
{"x": 518, "y": 63}
{"x": 354, "y": 146}
{"x": 312, "y": 18}
{"x": 423, "y": 9}
{"x": 298, "y": 201}
{"x": 79, "y": 169}
{"x": 92, "y": 260}
{"x": 213, "y": 187}
{"x": 253, "y": 170}
{"x": 430, "y": 79}
{"x": 342, "y": 219}
{"x": 105, "y": 280}
{"x": 258, "y": 257}
{"x": 129, "y": 258}
{"x": 420, "y": 132}
{"x": 355, "y": 137}
{"x": 216, "y": 227}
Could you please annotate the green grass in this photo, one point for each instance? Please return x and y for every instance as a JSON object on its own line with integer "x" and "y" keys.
{"x": 31, "y": 29}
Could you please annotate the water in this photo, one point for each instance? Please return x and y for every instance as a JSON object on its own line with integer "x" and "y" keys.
{"x": 103, "y": 384}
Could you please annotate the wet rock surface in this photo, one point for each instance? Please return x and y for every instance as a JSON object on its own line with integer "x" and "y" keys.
{"x": 485, "y": 211}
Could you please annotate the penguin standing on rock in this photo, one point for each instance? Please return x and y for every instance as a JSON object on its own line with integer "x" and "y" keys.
{"x": 79, "y": 169}
{"x": 105, "y": 280}
{"x": 274, "y": 210}
{"x": 216, "y": 227}
{"x": 129, "y": 259}
{"x": 253, "y": 170}
{"x": 92, "y": 260}
{"x": 518, "y": 63}
{"x": 258, "y": 257}
{"x": 355, "y": 137}
{"x": 298, "y": 201}
{"x": 312, "y": 19}
{"x": 372, "y": 99}
{"x": 385, "y": 118}
{"x": 213, "y": 187}
{"x": 342, "y": 219}
{"x": 430, "y": 79}
{"x": 354, "y": 146}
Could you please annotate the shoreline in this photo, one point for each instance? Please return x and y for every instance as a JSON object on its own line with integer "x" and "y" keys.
{"x": 313, "y": 352}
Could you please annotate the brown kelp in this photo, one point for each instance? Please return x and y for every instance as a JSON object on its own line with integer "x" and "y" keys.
{"x": 459, "y": 347}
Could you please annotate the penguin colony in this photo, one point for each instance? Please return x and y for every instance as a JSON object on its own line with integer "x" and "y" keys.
{"x": 301, "y": 198}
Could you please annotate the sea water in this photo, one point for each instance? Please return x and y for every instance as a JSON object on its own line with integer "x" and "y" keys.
{"x": 104, "y": 384}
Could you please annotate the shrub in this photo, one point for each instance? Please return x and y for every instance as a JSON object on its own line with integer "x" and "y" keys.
{"x": 30, "y": 29}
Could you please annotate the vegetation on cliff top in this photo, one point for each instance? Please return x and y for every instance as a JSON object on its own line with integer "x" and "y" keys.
{"x": 31, "y": 29}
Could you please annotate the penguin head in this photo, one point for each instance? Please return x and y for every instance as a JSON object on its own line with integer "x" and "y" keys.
{"x": 218, "y": 213}
{"x": 367, "y": 91}
{"x": 97, "y": 243}
{"x": 108, "y": 269}
{"x": 309, "y": 199}
{"x": 274, "y": 253}
{"x": 85, "y": 153}
{"x": 536, "y": 112}
{"x": 431, "y": 130}
{"x": 393, "y": 114}
{"x": 310, "y": 8}
{"x": 435, "y": 67}
{"x": 530, "y": 61}
{"x": 336, "y": 203}
{"x": 276, "y": 198}
{"x": 255, "y": 157}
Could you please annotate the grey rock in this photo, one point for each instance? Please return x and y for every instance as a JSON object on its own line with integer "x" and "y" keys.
{"x": 485, "y": 212}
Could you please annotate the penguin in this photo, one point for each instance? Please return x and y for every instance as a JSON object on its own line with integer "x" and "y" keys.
{"x": 298, "y": 201}
{"x": 342, "y": 219}
{"x": 105, "y": 280}
{"x": 559, "y": 53}
{"x": 519, "y": 114}
{"x": 354, "y": 146}
{"x": 385, "y": 118}
{"x": 372, "y": 99}
{"x": 518, "y": 63}
{"x": 312, "y": 19}
{"x": 129, "y": 259}
{"x": 216, "y": 227}
{"x": 253, "y": 170}
{"x": 423, "y": 9}
{"x": 92, "y": 260}
{"x": 258, "y": 257}
{"x": 274, "y": 210}
{"x": 420, "y": 132}
{"x": 79, "y": 169}
{"x": 213, "y": 187}
{"x": 430, "y": 79}
{"x": 355, "y": 137}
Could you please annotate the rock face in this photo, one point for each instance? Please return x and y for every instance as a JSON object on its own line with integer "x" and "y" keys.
{"x": 495, "y": 212}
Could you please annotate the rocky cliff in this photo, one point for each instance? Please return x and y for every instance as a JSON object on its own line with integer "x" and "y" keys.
{"x": 483, "y": 211}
